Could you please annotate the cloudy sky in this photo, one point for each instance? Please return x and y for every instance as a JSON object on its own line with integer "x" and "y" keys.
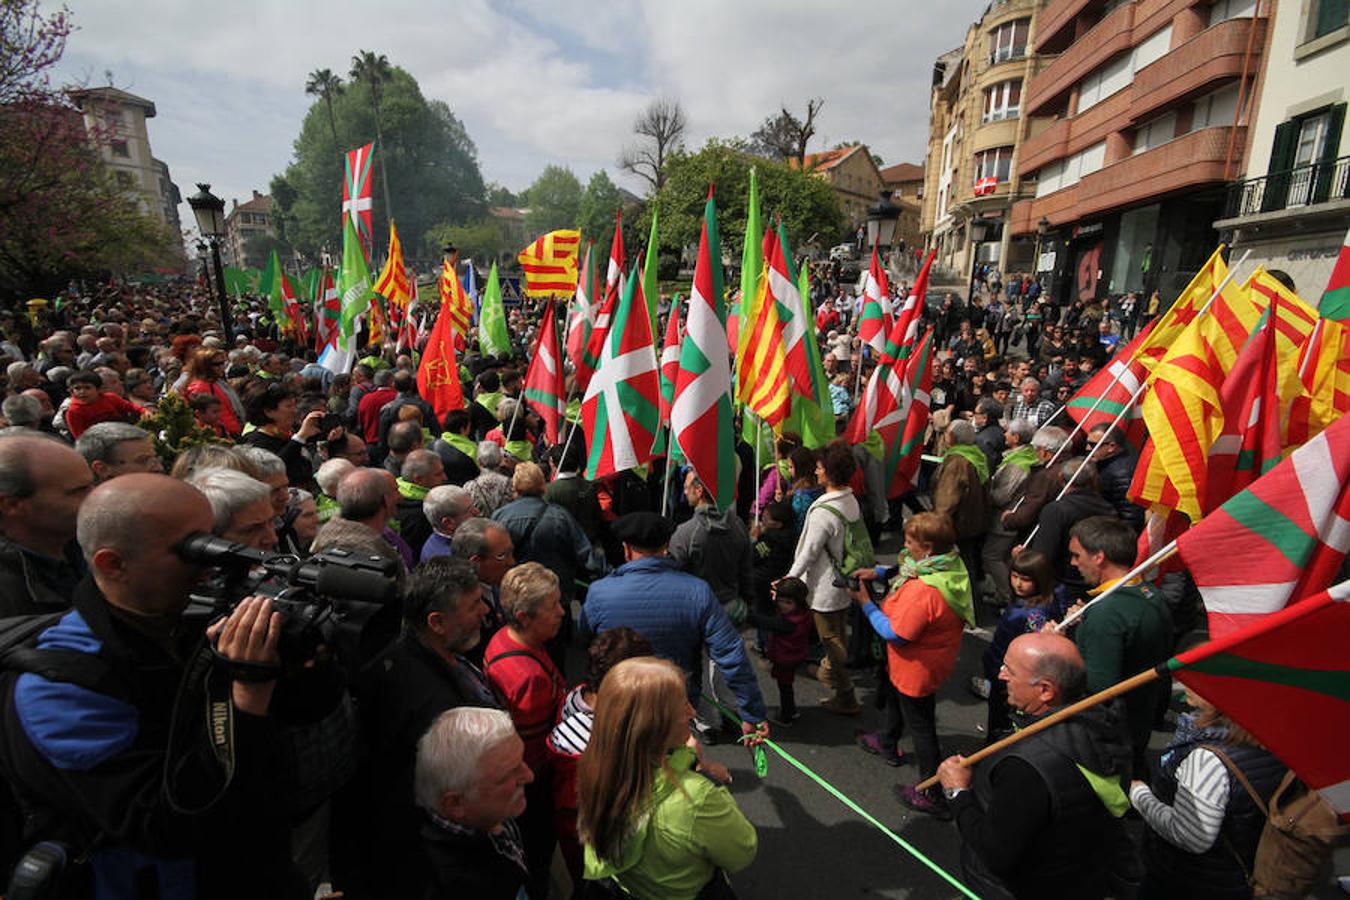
{"x": 535, "y": 83}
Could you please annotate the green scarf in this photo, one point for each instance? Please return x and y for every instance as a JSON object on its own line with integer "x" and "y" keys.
{"x": 521, "y": 450}
{"x": 974, "y": 455}
{"x": 573, "y": 413}
{"x": 784, "y": 473}
{"x": 463, "y": 443}
{"x": 490, "y": 400}
{"x": 874, "y": 446}
{"x": 1022, "y": 456}
{"x": 327, "y": 507}
{"x": 409, "y": 490}
{"x": 947, "y": 573}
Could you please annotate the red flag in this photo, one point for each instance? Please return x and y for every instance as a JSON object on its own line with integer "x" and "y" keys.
{"x": 590, "y": 358}
{"x": 438, "y": 375}
{"x": 356, "y": 194}
{"x": 670, "y": 359}
{"x": 1286, "y": 679}
{"x": 1113, "y": 397}
{"x": 543, "y": 388}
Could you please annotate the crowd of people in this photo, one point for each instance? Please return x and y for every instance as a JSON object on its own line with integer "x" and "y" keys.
{"x": 535, "y": 682}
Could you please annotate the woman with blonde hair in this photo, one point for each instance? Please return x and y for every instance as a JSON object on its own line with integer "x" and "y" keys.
{"x": 649, "y": 820}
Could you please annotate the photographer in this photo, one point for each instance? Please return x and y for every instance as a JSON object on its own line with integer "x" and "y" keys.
{"x": 105, "y": 760}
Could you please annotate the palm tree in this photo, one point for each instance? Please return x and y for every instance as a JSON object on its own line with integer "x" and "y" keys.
{"x": 374, "y": 70}
{"x": 323, "y": 83}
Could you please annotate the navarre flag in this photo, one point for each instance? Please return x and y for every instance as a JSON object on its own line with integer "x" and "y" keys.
{"x": 438, "y": 374}
{"x": 357, "y": 203}
{"x": 394, "y": 284}
{"x": 590, "y": 357}
{"x": 1284, "y": 537}
{"x": 493, "y": 337}
{"x": 543, "y": 388}
{"x": 700, "y": 416}
{"x": 353, "y": 284}
{"x": 1285, "y": 678}
{"x": 455, "y": 304}
{"x": 1335, "y": 302}
{"x": 761, "y": 368}
{"x": 550, "y": 264}
{"x": 581, "y": 317}
{"x": 904, "y": 451}
{"x": 1100, "y": 400}
{"x": 670, "y": 359}
{"x": 622, "y": 405}
{"x": 874, "y": 324}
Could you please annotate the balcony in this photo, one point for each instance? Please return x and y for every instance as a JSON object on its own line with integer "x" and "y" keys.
{"x": 1104, "y": 40}
{"x": 1045, "y": 147}
{"x": 1295, "y": 189}
{"x": 1070, "y": 135}
{"x": 1212, "y": 56}
{"x": 1055, "y": 20}
{"x": 1196, "y": 159}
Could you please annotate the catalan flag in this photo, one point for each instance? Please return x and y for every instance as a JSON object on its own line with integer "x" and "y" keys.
{"x": 761, "y": 370}
{"x": 455, "y": 304}
{"x": 1184, "y": 310}
{"x": 393, "y": 284}
{"x": 550, "y": 264}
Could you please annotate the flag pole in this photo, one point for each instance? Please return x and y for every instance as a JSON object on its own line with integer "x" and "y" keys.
{"x": 1165, "y": 553}
{"x": 665, "y": 480}
{"x": 1074, "y": 709}
{"x": 1134, "y": 397}
{"x": 759, "y": 442}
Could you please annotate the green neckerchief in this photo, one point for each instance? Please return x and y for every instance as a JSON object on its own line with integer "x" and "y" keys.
{"x": 409, "y": 490}
{"x": 1022, "y": 456}
{"x": 784, "y": 472}
{"x": 326, "y": 506}
{"x": 376, "y": 363}
{"x": 874, "y": 446}
{"x": 1109, "y": 790}
{"x": 464, "y": 444}
{"x": 947, "y": 573}
{"x": 490, "y": 400}
{"x": 573, "y": 413}
{"x": 974, "y": 455}
{"x": 521, "y": 450}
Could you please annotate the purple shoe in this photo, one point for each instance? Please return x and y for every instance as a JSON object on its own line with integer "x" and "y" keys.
{"x": 924, "y": 802}
{"x": 871, "y": 742}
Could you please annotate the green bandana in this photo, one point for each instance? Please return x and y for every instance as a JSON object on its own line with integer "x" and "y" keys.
{"x": 974, "y": 455}
{"x": 947, "y": 573}
{"x": 521, "y": 450}
{"x": 490, "y": 400}
{"x": 411, "y": 491}
{"x": 1022, "y": 456}
{"x": 463, "y": 443}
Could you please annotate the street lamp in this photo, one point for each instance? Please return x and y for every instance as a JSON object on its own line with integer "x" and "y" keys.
{"x": 210, "y": 213}
{"x": 979, "y": 230}
{"x": 1042, "y": 229}
{"x": 882, "y": 217}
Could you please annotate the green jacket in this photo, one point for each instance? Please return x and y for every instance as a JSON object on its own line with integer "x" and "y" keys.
{"x": 692, "y": 829}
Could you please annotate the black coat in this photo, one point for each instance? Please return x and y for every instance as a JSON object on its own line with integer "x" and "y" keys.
{"x": 1114, "y": 475}
{"x": 468, "y": 865}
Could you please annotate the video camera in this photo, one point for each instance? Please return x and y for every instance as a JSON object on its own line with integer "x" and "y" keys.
{"x": 330, "y": 599}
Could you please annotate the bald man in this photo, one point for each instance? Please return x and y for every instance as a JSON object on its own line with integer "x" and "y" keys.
{"x": 42, "y": 483}
{"x": 121, "y": 654}
{"x": 1039, "y": 818}
{"x": 367, "y": 500}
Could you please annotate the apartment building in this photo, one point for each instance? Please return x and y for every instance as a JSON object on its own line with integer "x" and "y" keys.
{"x": 853, "y": 175}
{"x": 244, "y": 222}
{"x": 1139, "y": 121}
{"x": 976, "y": 130}
{"x": 1291, "y": 209}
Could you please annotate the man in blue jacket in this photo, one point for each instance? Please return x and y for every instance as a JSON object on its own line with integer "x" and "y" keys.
{"x": 676, "y": 611}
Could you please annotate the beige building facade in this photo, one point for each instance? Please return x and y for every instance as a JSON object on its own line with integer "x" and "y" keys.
{"x": 244, "y": 222}
{"x": 976, "y": 129}
{"x": 853, "y": 175}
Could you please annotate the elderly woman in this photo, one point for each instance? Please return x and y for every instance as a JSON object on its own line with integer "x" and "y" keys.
{"x": 271, "y": 409}
{"x": 921, "y": 621}
{"x": 648, "y": 818}
{"x": 526, "y": 678}
{"x": 491, "y": 489}
{"x": 304, "y": 518}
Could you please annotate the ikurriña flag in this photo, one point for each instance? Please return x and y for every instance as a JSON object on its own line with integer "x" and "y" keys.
{"x": 543, "y": 388}
{"x": 874, "y": 323}
{"x": 670, "y": 359}
{"x": 357, "y": 202}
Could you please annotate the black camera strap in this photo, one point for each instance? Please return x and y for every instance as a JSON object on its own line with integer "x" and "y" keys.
{"x": 204, "y": 699}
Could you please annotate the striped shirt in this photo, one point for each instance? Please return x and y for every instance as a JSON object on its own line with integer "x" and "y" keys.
{"x": 1193, "y": 821}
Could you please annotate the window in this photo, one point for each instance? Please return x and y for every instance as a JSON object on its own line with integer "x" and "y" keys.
{"x": 1003, "y": 101}
{"x": 1066, "y": 172}
{"x": 124, "y": 179}
{"x": 1325, "y": 16}
{"x": 1118, "y": 74}
{"x": 995, "y": 163}
{"x": 1008, "y": 41}
{"x": 1215, "y": 110}
{"x": 1223, "y": 10}
{"x": 1152, "y": 48}
{"x": 1303, "y": 159}
{"x": 119, "y": 149}
{"x": 1155, "y": 133}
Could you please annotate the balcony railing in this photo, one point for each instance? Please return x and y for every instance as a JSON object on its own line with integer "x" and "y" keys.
{"x": 1303, "y": 186}
{"x": 1007, "y": 54}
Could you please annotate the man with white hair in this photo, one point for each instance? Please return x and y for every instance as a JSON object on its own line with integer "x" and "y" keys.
{"x": 1005, "y": 487}
{"x": 1040, "y": 485}
{"x": 328, "y": 477}
{"x": 470, "y": 780}
{"x": 491, "y": 489}
{"x": 117, "y": 448}
{"x": 22, "y": 411}
{"x": 422, "y": 470}
{"x": 445, "y": 508}
{"x": 1029, "y": 404}
{"x": 242, "y": 506}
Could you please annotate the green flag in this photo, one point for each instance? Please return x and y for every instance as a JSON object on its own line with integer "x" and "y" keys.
{"x": 493, "y": 338}
{"x": 353, "y": 281}
{"x": 752, "y": 263}
{"x": 812, "y": 419}
{"x": 272, "y": 288}
{"x": 650, "y": 286}
{"x": 240, "y": 281}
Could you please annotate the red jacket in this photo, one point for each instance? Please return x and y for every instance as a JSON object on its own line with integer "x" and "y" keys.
{"x": 368, "y": 412}
{"x": 106, "y": 408}
{"x": 533, "y": 688}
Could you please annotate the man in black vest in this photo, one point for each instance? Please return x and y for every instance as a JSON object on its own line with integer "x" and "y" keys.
{"x": 1038, "y": 819}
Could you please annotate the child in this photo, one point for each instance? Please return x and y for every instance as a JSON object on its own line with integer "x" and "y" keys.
{"x": 90, "y": 406}
{"x": 206, "y": 409}
{"x": 789, "y": 633}
{"x": 1034, "y": 604}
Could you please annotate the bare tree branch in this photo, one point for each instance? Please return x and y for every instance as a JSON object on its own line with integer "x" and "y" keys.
{"x": 785, "y": 137}
{"x": 660, "y": 129}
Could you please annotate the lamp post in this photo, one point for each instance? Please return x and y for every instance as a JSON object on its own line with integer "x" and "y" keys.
{"x": 210, "y": 213}
{"x": 1042, "y": 229}
{"x": 882, "y": 217}
{"x": 979, "y": 229}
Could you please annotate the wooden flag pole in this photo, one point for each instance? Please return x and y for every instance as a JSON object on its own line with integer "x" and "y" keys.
{"x": 1164, "y": 553}
{"x": 1110, "y": 693}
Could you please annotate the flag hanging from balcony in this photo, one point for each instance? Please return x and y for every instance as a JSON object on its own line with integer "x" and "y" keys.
{"x": 357, "y": 202}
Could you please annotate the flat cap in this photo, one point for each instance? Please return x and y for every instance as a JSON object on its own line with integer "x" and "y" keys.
{"x": 644, "y": 530}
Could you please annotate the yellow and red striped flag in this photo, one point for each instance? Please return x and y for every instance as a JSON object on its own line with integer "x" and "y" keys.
{"x": 761, "y": 369}
{"x": 455, "y": 304}
{"x": 1184, "y": 311}
{"x": 393, "y": 284}
{"x": 550, "y": 264}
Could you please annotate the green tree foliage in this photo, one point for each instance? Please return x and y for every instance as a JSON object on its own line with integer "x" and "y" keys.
{"x": 500, "y": 195}
{"x": 62, "y": 214}
{"x": 596, "y": 216}
{"x": 433, "y": 167}
{"x": 173, "y": 429}
{"x": 807, "y": 204}
{"x": 481, "y": 240}
{"x": 554, "y": 200}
